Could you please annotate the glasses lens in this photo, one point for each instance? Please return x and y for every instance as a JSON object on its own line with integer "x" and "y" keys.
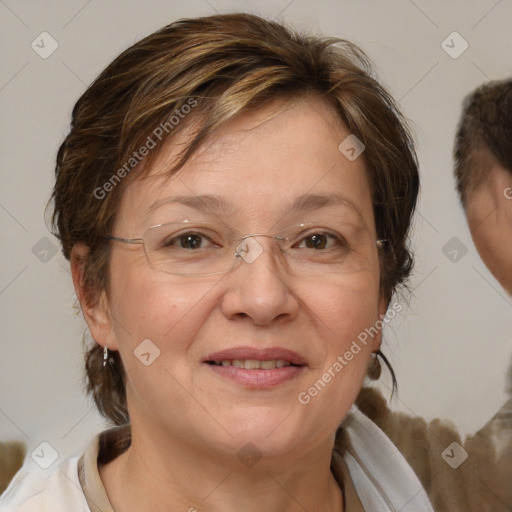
{"x": 312, "y": 249}
{"x": 185, "y": 249}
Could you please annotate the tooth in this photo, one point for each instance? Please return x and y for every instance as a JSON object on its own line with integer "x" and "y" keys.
{"x": 254, "y": 364}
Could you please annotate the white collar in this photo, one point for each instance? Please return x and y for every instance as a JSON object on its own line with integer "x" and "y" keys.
{"x": 383, "y": 479}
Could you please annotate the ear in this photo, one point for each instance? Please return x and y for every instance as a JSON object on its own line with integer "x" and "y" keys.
{"x": 383, "y": 305}
{"x": 95, "y": 309}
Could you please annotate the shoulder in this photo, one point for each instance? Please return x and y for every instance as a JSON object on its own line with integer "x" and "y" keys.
{"x": 458, "y": 475}
{"x": 35, "y": 489}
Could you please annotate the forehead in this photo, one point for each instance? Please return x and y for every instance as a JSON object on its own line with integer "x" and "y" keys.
{"x": 259, "y": 164}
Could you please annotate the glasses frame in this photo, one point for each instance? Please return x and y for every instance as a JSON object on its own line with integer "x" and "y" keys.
{"x": 237, "y": 254}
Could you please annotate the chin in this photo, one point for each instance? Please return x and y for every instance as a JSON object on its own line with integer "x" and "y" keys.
{"x": 274, "y": 431}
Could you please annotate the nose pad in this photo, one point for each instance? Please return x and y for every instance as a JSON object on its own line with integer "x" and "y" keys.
{"x": 249, "y": 249}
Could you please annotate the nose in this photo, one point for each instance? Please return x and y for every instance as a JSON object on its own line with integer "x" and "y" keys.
{"x": 259, "y": 288}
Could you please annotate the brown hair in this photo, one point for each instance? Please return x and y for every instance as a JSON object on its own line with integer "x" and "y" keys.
{"x": 215, "y": 68}
{"x": 484, "y": 135}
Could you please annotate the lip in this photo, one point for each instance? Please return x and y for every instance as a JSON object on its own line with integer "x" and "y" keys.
{"x": 260, "y": 354}
{"x": 257, "y": 378}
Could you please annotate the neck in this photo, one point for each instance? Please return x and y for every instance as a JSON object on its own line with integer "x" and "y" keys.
{"x": 178, "y": 476}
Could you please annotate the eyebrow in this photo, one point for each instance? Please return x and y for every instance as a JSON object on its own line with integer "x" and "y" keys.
{"x": 218, "y": 205}
{"x": 204, "y": 202}
{"x": 309, "y": 202}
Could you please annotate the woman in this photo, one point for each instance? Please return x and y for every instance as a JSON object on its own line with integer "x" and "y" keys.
{"x": 234, "y": 200}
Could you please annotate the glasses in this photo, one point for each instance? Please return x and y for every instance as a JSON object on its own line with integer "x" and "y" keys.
{"x": 185, "y": 249}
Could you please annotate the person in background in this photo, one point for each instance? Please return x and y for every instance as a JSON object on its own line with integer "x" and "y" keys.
{"x": 474, "y": 474}
{"x": 483, "y": 170}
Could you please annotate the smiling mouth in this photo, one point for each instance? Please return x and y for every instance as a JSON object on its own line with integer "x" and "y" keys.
{"x": 254, "y": 364}
{"x": 257, "y": 368}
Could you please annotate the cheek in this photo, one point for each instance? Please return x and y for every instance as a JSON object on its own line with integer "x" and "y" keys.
{"x": 346, "y": 317}
{"x": 479, "y": 206}
{"x": 347, "y": 306}
{"x": 145, "y": 305}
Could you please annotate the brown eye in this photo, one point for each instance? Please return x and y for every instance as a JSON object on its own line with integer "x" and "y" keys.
{"x": 317, "y": 241}
{"x": 320, "y": 240}
{"x": 189, "y": 241}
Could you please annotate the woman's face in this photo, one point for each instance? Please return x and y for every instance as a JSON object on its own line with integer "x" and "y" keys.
{"x": 260, "y": 173}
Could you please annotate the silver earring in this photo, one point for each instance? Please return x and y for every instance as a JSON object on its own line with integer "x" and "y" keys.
{"x": 105, "y": 356}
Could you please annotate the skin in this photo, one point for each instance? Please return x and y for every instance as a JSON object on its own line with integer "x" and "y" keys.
{"x": 188, "y": 423}
{"x": 489, "y": 215}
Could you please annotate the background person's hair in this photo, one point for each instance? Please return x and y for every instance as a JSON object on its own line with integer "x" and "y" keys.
{"x": 484, "y": 135}
{"x": 227, "y": 64}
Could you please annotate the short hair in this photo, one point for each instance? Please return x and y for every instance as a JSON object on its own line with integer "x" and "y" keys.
{"x": 213, "y": 69}
{"x": 484, "y": 135}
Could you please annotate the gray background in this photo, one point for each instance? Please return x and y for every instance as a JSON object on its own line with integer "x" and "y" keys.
{"x": 452, "y": 343}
